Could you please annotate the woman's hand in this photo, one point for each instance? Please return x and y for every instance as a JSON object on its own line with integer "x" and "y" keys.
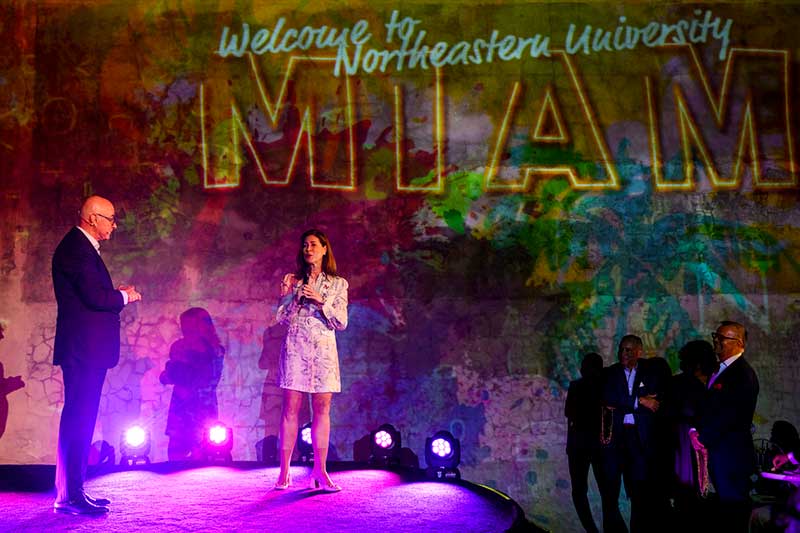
{"x": 286, "y": 284}
{"x": 308, "y": 292}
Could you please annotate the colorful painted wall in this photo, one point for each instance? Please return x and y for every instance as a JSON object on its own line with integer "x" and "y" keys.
{"x": 506, "y": 186}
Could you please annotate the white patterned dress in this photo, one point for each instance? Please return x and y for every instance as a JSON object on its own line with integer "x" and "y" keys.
{"x": 309, "y": 359}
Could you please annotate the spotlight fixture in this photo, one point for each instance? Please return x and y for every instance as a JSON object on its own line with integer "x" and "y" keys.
{"x": 218, "y": 442}
{"x": 134, "y": 446}
{"x": 443, "y": 454}
{"x": 304, "y": 444}
{"x": 385, "y": 445}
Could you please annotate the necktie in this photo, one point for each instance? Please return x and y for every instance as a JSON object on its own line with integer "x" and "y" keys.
{"x": 713, "y": 378}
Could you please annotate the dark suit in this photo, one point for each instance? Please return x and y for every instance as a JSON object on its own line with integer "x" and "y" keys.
{"x": 582, "y": 410}
{"x": 724, "y": 427}
{"x": 86, "y": 346}
{"x": 629, "y": 454}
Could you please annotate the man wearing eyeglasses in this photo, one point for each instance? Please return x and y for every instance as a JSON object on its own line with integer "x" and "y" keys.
{"x": 86, "y": 346}
{"x": 723, "y": 429}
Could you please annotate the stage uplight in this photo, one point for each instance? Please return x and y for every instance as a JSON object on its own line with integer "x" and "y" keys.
{"x": 443, "y": 455}
{"x": 385, "y": 445}
{"x": 304, "y": 444}
{"x": 218, "y": 442}
{"x": 135, "y": 446}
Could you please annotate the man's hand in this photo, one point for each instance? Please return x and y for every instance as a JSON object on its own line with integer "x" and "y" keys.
{"x": 650, "y": 402}
{"x": 133, "y": 296}
{"x": 694, "y": 436}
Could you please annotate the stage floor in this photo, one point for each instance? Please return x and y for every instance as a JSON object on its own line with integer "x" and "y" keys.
{"x": 239, "y": 497}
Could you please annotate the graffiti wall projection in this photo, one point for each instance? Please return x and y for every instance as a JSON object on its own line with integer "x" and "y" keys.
{"x": 506, "y": 187}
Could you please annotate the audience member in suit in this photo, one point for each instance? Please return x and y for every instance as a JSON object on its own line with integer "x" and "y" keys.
{"x": 723, "y": 428}
{"x": 630, "y": 397}
{"x": 86, "y": 346}
{"x": 684, "y": 395}
{"x": 582, "y": 409}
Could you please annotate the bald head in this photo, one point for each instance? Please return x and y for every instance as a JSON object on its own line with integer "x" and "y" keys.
{"x": 95, "y": 204}
{"x": 98, "y": 217}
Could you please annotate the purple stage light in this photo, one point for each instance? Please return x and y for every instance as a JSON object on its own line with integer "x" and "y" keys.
{"x": 383, "y": 439}
{"x": 135, "y": 436}
{"x": 443, "y": 454}
{"x": 218, "y": 434}
{"x": 305, "y": 434}
{"x": 385, "y": 445}
{"x": 134, "y": 445}
{"x": 304, "y": 443}
{"x": 441, "y": 447}
{"x": 218, "y": 442}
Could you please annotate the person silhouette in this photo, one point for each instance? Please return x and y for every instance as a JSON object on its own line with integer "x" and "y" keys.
{"x": 194, "y": 369}
{"x": 7, "y": 386}
{"x": 582, "y": 409}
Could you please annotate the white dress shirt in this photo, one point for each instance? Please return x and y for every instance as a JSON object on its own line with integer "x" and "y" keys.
{"x": 630, "y": 377}
{"x": 94, "y": 242}
{"x": 722, "y": 366}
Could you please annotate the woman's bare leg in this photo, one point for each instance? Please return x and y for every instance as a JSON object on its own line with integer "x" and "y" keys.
{"x": 288, "y": 433}
{"x": 320, "y": 432}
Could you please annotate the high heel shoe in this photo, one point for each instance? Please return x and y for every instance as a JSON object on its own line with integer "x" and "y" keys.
{"x": 323, "y": 483}
{"x": 285, "y": 485}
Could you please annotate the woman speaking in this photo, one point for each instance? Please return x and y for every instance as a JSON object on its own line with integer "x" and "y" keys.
{"x": 314, "y": 305}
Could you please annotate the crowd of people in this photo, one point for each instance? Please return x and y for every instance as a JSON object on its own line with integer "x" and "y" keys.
{"x": 682, "y": 445}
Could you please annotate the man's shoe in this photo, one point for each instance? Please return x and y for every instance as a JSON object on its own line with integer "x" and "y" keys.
{"x": 79, "y": 506}
{"x": 102, "y": 502}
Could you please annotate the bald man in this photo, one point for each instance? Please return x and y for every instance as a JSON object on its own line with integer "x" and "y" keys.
{"x": 86, "y": 346}
{"x": 724, "y": 428}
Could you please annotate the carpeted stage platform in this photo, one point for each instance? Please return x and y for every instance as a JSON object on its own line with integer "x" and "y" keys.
{"x": 239, "y": 497}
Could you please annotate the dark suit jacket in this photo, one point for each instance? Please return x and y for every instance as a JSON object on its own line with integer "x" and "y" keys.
{"x": 616, "y": 396}
{"x": 726, "y": 415}
{"x": 87, "y": 327}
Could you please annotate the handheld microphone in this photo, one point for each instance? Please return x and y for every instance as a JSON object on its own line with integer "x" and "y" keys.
{"x": 306, "y": 274}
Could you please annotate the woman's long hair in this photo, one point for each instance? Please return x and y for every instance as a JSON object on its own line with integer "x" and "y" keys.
{"x": 328, "y": 261}
{"x": 196, "y": 323}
